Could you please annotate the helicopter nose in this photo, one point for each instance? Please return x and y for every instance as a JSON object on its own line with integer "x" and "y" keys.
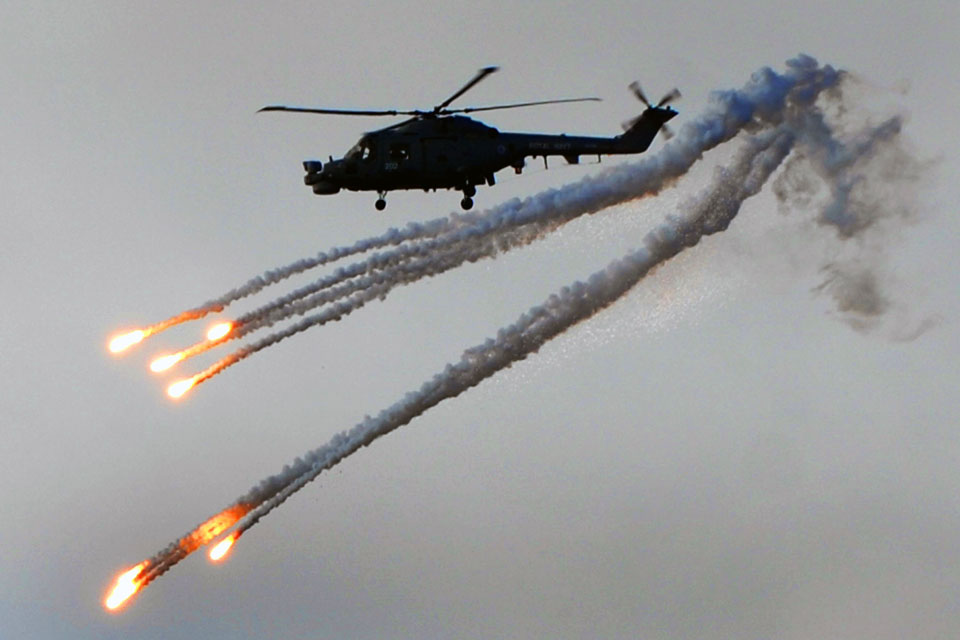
{"x": 313, "y": 169}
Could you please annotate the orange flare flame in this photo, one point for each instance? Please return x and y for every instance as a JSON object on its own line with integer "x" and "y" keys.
{"x": 180, "y": 387}
{"x": 121, "y": 343}
{"x": 165, "y": 362}
{"x": 219, "y": 551}
{"x": 126, "y": 585}
{"x": 217, "y": 331}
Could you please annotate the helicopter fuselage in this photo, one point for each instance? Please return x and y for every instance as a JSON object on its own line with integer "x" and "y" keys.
{"x": 457, "y": 152}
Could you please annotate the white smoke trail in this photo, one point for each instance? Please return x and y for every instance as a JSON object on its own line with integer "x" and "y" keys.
{"x": 761, "y": 101}
{"x": 344, "y": 299}
{"x": 393, "y": 236}
{"x": 768, "y": 99}
{"x": 349, "y": 297}
{"x": 710, "y": 213}
{"x": 393, "y": 270}
{"x": 346, "y": 280}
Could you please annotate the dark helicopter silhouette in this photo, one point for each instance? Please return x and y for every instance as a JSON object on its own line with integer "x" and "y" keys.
{"x": 439, "y": 149}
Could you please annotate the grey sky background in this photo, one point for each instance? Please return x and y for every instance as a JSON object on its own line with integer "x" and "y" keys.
{"x": 716, "y": 456}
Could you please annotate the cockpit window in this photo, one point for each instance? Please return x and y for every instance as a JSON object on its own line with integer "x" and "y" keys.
{"x": 363, "y": 150}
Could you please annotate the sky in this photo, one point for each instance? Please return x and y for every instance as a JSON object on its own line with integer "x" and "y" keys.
{"x": 717, "y": 455}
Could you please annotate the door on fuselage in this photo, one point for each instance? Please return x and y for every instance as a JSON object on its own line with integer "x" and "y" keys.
{"x": 401, "y": 162}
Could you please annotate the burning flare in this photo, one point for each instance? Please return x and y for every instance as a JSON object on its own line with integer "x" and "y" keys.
{"x": 217, "y": 331}
{"x": 165, "y": 362}
{"x": 121, "y": 343}
{"x": 126, "y": 585}
{"x": 219, "y": 551}
{"x": 180, "y": 387}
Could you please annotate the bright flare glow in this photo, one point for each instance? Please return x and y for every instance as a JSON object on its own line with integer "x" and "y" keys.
{"x": 165, "y": 362}
{"x": 180, "y": 387}
{"x": 217, "y": 331}
{"x": 127, "y": 585}
{"x": 127, "y": 340}
{"x": 220, "y": 550}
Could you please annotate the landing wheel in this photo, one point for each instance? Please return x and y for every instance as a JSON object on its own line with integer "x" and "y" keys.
{"x": 467, "y": 204}
{"x": 469, "y": 191}
{"x": 380, "y": 204}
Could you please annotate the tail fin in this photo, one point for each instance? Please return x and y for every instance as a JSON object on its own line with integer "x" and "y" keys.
{"x": 641, "y": 131}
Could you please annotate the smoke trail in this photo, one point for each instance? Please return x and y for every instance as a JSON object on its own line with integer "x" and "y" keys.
{"x": 404, "y": 260}
{"x": 761, "y": 100}
{"x": 401, "y": 269}
{"x": 393, "y": 270}
{"x": 764, "y": 100}
{"x": 709, "y": 213}
{"x": 393, "y": 236}
{"x": 365, "y": 288}
{"x": 382, "y": 272}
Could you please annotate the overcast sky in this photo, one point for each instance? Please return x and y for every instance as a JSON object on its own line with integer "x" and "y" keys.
{"x": 718, "y": 455}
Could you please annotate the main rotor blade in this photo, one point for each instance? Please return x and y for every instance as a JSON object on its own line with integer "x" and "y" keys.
{"x": 483, "y": 73}
{"x": 518, "y": 104}
{"x": 341, "y": 112}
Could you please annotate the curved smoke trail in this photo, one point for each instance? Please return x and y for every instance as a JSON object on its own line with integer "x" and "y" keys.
{"x": 712, "y": 212}
{"x": 784, "y": 116}
{"x": 373, "y": 287}
{"x": 382, "y": 273}
{"x": 762, "y": 102}
{"x": 709, "y": 213}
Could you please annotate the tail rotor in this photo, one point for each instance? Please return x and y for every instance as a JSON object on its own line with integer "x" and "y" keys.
{"x": 670, "y": 97}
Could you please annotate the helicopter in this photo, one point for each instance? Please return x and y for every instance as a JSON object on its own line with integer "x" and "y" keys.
{"x": 442, "y": 149}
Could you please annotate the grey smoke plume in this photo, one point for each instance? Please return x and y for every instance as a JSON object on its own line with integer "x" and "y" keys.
{"x": 856, "y": 293}
{"x": 849, "y": 170}
{"x": 861, "y": 186}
